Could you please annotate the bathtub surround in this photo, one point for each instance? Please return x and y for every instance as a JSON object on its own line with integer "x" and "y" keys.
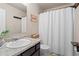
{"x": 56, "y": 30}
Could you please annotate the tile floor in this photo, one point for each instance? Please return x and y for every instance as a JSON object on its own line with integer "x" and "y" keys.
{"x": 48, "y": 54}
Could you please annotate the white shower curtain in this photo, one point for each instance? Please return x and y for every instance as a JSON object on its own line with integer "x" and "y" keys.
{"x": 56, "y": 30}
{"x": 43, "y": 27}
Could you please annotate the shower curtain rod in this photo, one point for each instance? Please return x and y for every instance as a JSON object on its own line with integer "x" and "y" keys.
{"x": 74, "y": 6}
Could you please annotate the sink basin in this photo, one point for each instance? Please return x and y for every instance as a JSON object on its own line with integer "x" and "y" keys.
{"x": 18, "y": 43}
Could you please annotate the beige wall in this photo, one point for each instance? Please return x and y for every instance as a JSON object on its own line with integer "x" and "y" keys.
{"x": 32, "y": 26}
{"x": 12, "y": 24}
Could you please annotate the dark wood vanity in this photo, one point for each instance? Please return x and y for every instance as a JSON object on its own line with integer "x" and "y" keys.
{"x": 33, "y": 51}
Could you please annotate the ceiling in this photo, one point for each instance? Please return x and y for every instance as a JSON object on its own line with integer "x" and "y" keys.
{"x": 19, "y": 6}
{"x": 43, "y": 6}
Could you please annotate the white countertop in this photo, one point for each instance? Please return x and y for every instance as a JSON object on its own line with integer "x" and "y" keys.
{"x": 5, "y": 51}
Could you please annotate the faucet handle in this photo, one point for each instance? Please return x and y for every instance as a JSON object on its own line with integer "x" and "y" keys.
{"x": 2, "y": 42}
{"x": 75, "y": 43}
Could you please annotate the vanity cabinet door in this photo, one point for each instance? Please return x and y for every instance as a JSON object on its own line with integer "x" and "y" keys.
{"x": 33, "y": 51}
{"x": 37, "y": 46}
{"x": 37, "y": 53}
{"x": 28, "y": 52}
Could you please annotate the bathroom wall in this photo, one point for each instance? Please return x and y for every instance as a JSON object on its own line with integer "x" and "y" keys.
{"x": 77, "y": 25}
{"x": 13, "y": 25}
{"x": 32, "y": 9}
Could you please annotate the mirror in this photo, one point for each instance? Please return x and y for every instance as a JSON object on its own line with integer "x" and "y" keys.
{"x": 8, "y": 21}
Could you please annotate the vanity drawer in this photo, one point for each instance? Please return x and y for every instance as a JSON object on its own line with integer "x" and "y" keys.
{"x": 29, "y": 51}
